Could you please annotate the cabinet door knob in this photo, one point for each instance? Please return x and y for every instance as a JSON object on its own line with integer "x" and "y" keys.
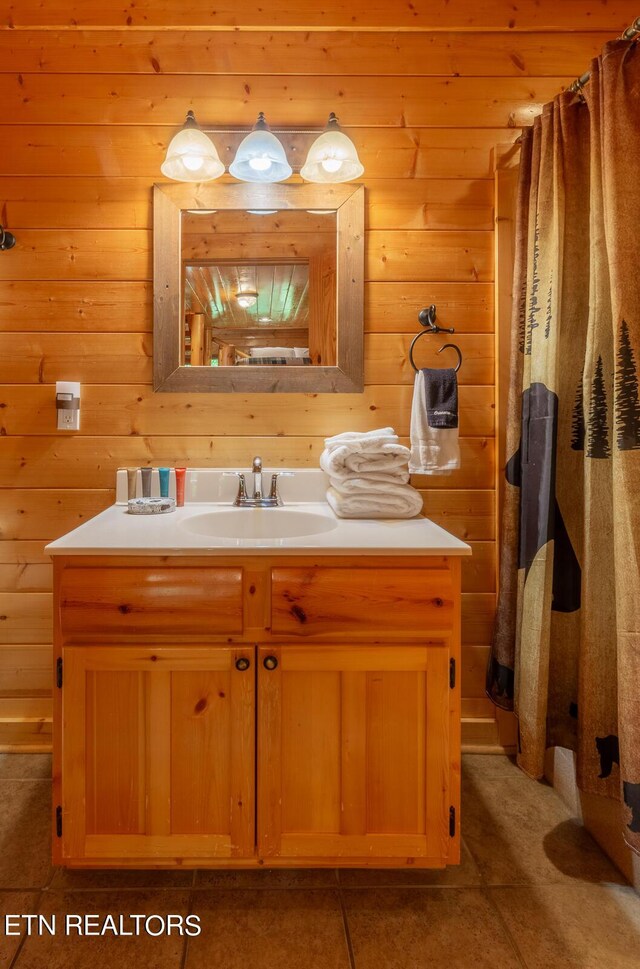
{"x": 270, "y": 662}
{"x": 243, "y": 664}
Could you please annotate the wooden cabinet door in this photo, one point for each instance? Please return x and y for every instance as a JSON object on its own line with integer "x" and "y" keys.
{"x": 158, "y": 753}
{"x": 353, "y": 753}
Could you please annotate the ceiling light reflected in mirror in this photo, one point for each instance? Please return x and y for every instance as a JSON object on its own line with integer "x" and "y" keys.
{"x": 247, "y": 298}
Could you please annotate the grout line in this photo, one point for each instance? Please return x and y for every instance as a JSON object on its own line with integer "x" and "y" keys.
{"x": 185, "y": 946}
{"x": 486, "y": 891}
{"x": 18, "y": 951}
{"x": 264, "y": 888}
{"x": 192, "y": 890}
{"x": 106, "y": 889}
{"x": 503, "y": 923}
{"x": 345, "y": 923}
{"x": 33, "y": 889}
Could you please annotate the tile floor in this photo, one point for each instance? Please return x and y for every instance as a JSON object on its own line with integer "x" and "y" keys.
{"x": 533, "y": 892}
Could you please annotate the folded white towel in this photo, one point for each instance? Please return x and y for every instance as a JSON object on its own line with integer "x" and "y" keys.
{"x": 342, "y": 461}
{"x": 402, "y": 501}
{"x": 358, "y": 441}
{"x": 373, "y": 483}
{"x": 434, "y": 450}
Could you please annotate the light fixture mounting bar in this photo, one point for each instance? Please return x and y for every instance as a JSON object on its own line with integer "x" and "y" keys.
{"x": 276, "y": 131}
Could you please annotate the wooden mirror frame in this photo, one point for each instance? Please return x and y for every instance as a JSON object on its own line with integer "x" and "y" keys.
{"x": 169, "y": 201}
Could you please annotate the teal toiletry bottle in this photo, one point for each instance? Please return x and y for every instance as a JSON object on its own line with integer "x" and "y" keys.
{"x": 164, "y": 482}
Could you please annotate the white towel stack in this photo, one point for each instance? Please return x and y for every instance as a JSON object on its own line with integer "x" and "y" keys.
{"x": 369, "y": 475}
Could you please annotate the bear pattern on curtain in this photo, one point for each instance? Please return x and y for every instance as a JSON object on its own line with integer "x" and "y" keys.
{"x": 566, "y": 649}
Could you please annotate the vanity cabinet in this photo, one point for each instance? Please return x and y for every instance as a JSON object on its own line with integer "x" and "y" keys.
{"x": 264, "y": 710}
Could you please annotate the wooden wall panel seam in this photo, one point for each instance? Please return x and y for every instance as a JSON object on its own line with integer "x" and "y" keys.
{"x": 465, "y": 16}
{"x": 179, "y": 52}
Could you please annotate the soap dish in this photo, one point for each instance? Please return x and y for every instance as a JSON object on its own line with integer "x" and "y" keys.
{"x": 151, "y": 506}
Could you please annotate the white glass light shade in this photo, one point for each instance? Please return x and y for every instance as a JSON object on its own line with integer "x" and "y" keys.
{"x": 332, "y": 157}
{"x": 260, "y": 157}
{"x": 191, "y": 155}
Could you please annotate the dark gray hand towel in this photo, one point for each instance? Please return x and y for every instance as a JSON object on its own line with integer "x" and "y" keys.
{"x": 441, "y": 397}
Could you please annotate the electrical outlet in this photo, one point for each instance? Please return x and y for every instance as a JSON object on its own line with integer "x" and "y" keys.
{"x": 68, "y": 405}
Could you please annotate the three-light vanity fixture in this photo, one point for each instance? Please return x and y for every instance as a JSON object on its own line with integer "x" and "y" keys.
{"x": 192, "y": 156}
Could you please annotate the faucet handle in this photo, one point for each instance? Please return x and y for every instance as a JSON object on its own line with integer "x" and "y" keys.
{"x": 274, "y": 482}
{"x": 242, "y": 489}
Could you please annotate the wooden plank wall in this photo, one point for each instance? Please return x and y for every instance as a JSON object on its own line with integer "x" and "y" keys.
{"x": 90, "y": 97}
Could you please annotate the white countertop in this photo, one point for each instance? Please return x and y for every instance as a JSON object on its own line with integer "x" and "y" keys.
{"x": 116, "y": 532}
{"x": 210, "y": 492}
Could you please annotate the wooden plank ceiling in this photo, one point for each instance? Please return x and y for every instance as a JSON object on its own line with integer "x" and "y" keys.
{"x": 282, "y": 294}
{"x": 91, "y": 94}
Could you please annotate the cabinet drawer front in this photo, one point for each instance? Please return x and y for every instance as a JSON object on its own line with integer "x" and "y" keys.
{"x": 145, "y": 601}
{"x": 367, "y": 601}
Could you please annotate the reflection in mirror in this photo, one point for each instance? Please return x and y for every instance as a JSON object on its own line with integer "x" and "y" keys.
{"x": 259, "y": 288}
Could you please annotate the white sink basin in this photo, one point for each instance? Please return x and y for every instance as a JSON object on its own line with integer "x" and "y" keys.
{"x": 259, "y": 523}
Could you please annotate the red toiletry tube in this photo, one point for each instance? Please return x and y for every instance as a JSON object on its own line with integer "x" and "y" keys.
{"x": 180, "y": 476}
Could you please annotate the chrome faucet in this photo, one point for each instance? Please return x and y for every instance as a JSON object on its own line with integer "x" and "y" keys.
{"x": 256, "y": 468}
{"x": 258, "y": 499}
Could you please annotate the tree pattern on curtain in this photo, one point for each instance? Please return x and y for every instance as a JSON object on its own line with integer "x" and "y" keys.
{"x": 598, "y": 435}
{"x": 627, "y": 403}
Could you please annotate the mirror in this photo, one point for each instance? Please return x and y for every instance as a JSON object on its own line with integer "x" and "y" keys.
{"x": 258, "y": 288}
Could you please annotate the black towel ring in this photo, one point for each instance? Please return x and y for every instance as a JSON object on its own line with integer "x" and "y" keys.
{"x": 427, "y": 318}
{"x": 453, "y": 346}
{"x": 445, "y": 346}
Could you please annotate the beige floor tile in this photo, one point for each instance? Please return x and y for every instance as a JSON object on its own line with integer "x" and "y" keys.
{"x": 267, "y": 878}
{"x": 464, "y": 874}
{"x": 14, "y": 903}
{"x": 104, "y": 952}
{"x": 573, "y": 927}
{"x": 25, "y": 834}
{"x": 25, "y": 766}
{"x": 77, "y": 880}
{"x": 490, "y": 765}
{"x": 520, "y": 832}
{"x": 268, "y": 930}
{"x": 412, "y": 928}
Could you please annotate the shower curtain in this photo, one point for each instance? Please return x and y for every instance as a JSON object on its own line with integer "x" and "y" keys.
{"x": 566, "y": 649}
